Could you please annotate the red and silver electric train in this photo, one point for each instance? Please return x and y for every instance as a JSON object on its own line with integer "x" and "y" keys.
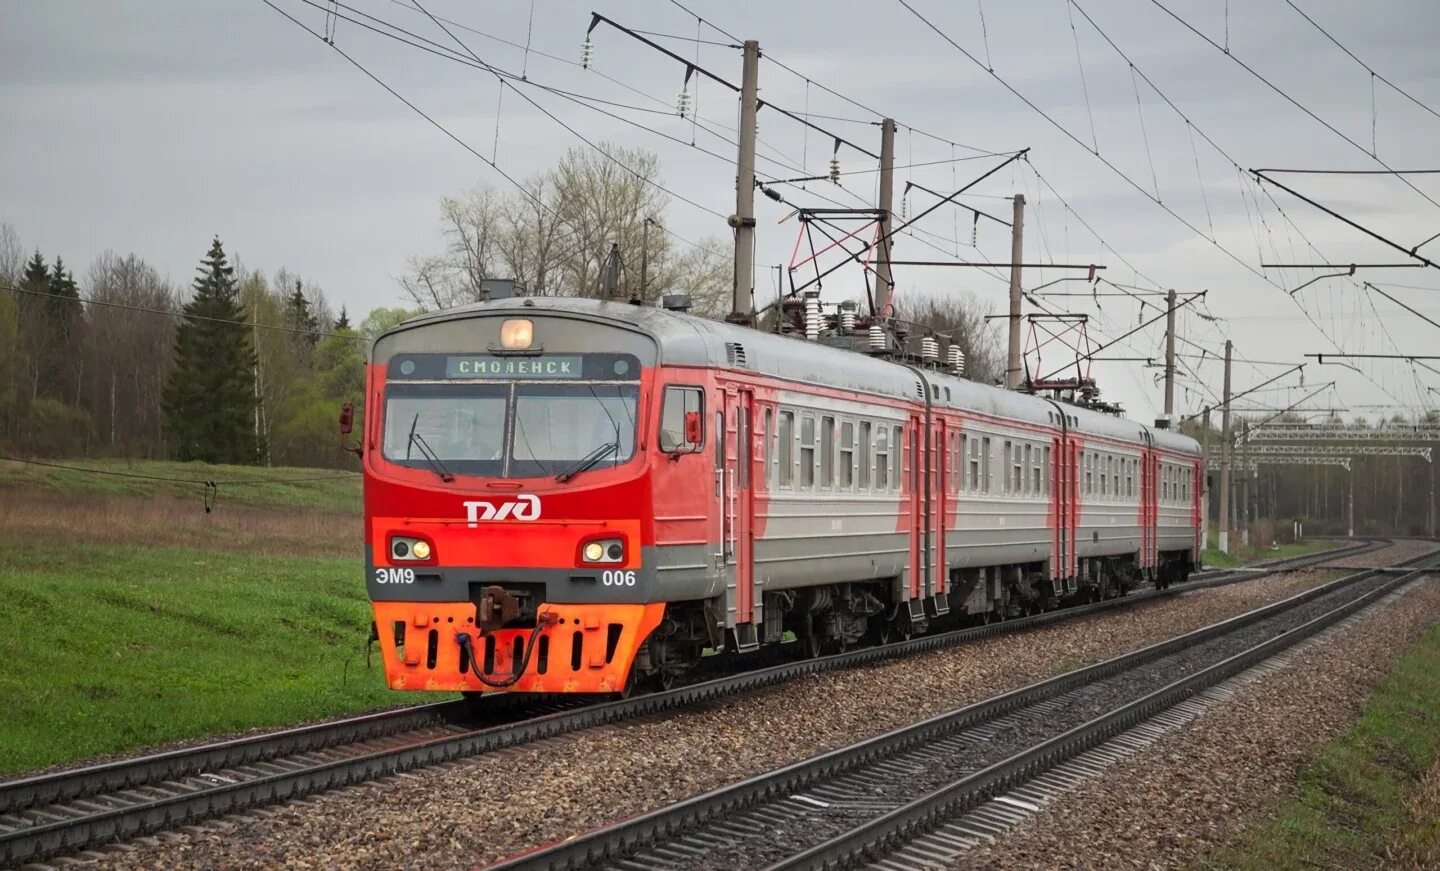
{"x": 570, "y": 495}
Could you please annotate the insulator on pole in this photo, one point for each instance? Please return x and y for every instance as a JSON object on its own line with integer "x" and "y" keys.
{"x": 587, "y": 52}
{"x": 877, "y": 337}
{"x": 835, "y": 169}
{"x": 955, "y": 359}
{"x": 682, "y": 103}
{"x": 812, "y": 314}
{"x": 847, "y": 316}
{"x": 929, "y": 349}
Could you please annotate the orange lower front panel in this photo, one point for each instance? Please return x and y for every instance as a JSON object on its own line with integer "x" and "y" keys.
{"x": 587, "y": 649}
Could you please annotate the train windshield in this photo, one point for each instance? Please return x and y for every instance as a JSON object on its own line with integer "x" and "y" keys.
{"x": 532, "y": 426}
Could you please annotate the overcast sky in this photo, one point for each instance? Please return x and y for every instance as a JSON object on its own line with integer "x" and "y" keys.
{"x": 149, "y": 127}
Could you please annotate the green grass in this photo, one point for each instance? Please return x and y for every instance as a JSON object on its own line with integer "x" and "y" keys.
{"x": 107, "y": 648}
{"x": 1213, "y": 558}
{"x": 1351, "y": 805}
{"x": 330, "y": 490}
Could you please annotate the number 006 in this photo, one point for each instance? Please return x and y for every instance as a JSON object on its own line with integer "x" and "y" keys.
{"x": 618, "y": 578}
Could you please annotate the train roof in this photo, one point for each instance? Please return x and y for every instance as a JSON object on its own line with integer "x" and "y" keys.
{"x": 689, "y": 340}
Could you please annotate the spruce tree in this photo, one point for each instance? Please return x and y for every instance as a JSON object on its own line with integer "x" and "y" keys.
{"x": 32, "y": 321}
{"x": 342, "y": 322}
{"x": 210, "y": 398}
{"x": 301, "y": 317}
{"x": 64, "y": 318}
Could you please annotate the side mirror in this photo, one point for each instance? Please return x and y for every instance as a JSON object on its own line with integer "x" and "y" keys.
{"x": 693, "y": 432}
{"x": 347, "y": 425}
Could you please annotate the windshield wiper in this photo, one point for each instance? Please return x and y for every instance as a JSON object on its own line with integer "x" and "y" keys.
{"x": 587, "y": 461}
{"x": 430, "y": 457}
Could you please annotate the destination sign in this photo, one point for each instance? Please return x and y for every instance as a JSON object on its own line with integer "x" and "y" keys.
{"x": 517, "y": 368}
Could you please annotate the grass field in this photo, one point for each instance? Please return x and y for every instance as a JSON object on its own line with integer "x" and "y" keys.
{"x": 131, "y": 617}
{"x": 1366, "y": 801}
{"x": 110, "y": 647}
{"x": 1213, "y": 558}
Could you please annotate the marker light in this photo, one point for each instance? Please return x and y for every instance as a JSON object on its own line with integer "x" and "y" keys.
{"x": 594, "y": 552}
{"x": 516, "y": 334}
{"x": 421, "y": 549}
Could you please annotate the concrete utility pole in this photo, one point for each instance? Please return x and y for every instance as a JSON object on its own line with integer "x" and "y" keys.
{"x": 1225, "y": 458}
{"x": 1017, "y": 253}
{"x": 884, "y": 279}
{"x": 743, "y": 221}
{"x": 644, "y": 259}
{"x": 1245, "y": 488}
{"x": 1169, "y": 359}
{"x": 1350, "y": 507}
{"x": 1205, "y": 483}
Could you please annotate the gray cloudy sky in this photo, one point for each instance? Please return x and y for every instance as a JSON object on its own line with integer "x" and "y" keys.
{"x": 148, "y": 127}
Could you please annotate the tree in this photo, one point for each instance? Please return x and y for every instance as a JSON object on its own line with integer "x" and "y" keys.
{"x": 210, "y": 402}
{"x": 342, "y": 322}
{"x": 381, "y": 319}
{"x": 65, "y": 320}
{"x": 555, "y": 234}
{"x": 960, "y": 318}
{"x": 128, "y": 353}
{"x": 300, "y": 318}
{"x": 12, "y": 259}
{"x": 34, "y": 285}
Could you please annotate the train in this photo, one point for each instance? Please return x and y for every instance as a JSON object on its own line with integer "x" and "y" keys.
{"x": 567, "y": 495}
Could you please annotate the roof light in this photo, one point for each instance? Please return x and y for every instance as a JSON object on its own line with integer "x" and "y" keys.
{"x": 516, "y": 334}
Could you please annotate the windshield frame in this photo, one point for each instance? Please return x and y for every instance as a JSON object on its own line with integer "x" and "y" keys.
{"x": 508, "y": 465}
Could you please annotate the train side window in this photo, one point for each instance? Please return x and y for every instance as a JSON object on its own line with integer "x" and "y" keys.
{"x": 954, "y": 463}
{"x": 1045, "y": 472}
{"x": 680, "y": 402}
{"x": 827, "y": 452}
{"x": 1036, "y": 488}
{"x": 784, "y": 456}
{"x": 1089, "y": 473}
{"x": 986, "y": 472}
{"x": 719, "y": 440}
{"x": 1017, "y": 473}
{"x": 972, "y": 473}
{"x": 864, "y": 440}
{"x": 767, "y": 438}
{"x": 807, "y": 451}
{"x": 847, "y": 454}
{"x": 1005, "y": 469}
{"x": 896, "y": 456}
{"x": 1104, "y": 476}
{"x": 882, "y": 458}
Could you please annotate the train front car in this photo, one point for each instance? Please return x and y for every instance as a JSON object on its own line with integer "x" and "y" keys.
{"x": 507, "y": 510}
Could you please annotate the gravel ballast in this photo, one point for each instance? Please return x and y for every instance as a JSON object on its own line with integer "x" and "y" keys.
{"x": 1179, "y": 800}
{"x": 483, "y": 809}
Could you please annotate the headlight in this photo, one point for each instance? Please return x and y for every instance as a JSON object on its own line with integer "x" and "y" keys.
{"x": 409, "y": 549}
{"x": 605, "y": 550}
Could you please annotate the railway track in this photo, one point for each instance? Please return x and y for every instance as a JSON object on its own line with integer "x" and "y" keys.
{"x": 891, "y": 801}
{"x": 69, "y": 811}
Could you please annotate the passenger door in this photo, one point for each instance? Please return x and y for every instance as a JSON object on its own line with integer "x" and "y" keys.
{"x": 738, "y": 506}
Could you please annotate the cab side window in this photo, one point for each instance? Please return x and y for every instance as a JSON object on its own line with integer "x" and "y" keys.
{"x": 679, "y": 403}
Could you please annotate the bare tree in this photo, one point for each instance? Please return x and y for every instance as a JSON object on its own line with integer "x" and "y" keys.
{"x": 556, "y": 236}
{"x": 12, "y": 258}
{"x": 960, "y": 318}
{"x": 128, "y": 351}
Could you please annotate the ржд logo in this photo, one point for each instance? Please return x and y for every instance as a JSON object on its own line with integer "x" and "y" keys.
{"x": 525, "y": 507}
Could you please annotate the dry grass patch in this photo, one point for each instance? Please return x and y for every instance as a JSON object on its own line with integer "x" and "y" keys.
{"x": 42, "y": 518}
